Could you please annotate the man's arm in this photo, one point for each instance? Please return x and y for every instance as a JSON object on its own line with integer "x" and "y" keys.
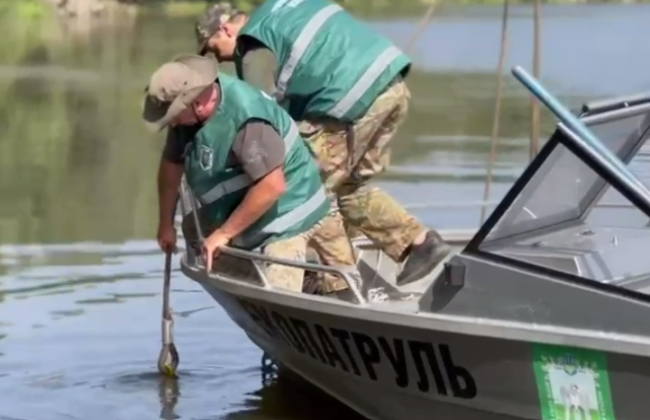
{"x": 170, "y": 173}
{"x": 260, "y": 150}
{"x": 259, "y": 66}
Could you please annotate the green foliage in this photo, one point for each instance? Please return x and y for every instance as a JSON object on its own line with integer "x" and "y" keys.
{"x": 76, "y": 162}
{"x": 23, "y": 9}
{"x": 366, "y": 8}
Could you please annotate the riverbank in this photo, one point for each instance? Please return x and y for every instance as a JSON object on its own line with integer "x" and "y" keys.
{"x": 376, "y": 8}
{"x": 182, "y": 8}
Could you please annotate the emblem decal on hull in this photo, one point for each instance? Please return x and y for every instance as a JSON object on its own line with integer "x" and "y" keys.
{"x": 419, "y": 365}
{"x": 573, "y": 384}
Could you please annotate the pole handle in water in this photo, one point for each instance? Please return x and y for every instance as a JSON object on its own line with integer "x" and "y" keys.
{"x": 168, "y": 359}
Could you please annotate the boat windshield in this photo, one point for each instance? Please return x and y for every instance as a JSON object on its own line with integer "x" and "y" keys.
{"x": 565, "y": 216}
{"x": 564, "y": 187}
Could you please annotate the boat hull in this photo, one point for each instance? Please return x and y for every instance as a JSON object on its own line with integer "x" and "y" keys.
{"x": 391, "y": 372}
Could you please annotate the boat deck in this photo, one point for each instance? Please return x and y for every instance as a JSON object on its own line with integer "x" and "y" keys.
{"x": 378, "y": 273}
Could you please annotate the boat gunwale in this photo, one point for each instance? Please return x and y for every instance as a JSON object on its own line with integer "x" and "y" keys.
{"x": 451, "y": 324}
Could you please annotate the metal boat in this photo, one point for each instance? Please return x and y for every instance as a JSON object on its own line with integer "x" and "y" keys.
{"x": 542, "y": 313}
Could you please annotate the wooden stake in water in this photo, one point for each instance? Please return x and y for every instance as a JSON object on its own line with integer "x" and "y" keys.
{"x": 534, "y": 104}
{"x": 497, "y": 107}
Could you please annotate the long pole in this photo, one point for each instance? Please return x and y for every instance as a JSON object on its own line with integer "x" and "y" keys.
{"x": 534, "y": 104}
{"x": 497, "y": 106}
{"x": 168, "y": 359}
{"x": 423, "y": 24}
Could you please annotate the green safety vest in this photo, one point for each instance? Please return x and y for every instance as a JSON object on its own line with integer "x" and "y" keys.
{"x": 221, "y": 188}
{"x": 330, "y": 64}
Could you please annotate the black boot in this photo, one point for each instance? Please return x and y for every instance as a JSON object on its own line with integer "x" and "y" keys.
{"x": 423, "y": 258}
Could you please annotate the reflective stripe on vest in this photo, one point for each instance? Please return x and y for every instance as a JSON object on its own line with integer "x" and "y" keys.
{"x": 301, "y": 44}
{"x": 243, "y": 180}
{"x": 283, "y": 223}
{"x": 365, "y": 82}
{"x": 299, "y": 48}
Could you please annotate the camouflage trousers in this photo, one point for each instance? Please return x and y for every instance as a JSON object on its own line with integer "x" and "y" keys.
{"x": 363, "y": 208}
{"x": 279, "y": 276}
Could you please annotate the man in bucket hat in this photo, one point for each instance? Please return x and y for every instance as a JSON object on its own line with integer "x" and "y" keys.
{"x": 253, "y": 174}
{"x": 344, "y": 83}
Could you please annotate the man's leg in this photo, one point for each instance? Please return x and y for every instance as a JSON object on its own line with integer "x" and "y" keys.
{"x": 280, "y": 276}
{"x": 334, "y": 248}
{"x": 295, "y": 249}
{"x": 372, "y": 211}
{"x": 330, "y": 241}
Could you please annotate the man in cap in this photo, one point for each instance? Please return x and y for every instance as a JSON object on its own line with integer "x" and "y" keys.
{"x": 254, "y": 175}
{"x": 344, "y": 84}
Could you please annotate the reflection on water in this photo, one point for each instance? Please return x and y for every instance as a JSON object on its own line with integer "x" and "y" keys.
{"x": 80, "y": 277}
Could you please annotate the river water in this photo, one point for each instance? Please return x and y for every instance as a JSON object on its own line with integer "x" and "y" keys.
{"x": 80, "y": 276}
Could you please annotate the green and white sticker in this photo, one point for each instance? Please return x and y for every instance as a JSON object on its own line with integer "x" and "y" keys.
{"x": 573, "y": 384}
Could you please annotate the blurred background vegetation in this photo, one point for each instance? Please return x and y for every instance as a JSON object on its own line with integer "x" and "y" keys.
{"x": 76, "y": 162}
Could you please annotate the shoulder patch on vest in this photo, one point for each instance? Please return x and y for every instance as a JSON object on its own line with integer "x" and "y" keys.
{"x": 206, "y": 157}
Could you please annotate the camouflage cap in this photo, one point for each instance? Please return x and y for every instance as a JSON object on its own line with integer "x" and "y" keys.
{"x": 209, "y": 22}
{"x": 174, "y": 86}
